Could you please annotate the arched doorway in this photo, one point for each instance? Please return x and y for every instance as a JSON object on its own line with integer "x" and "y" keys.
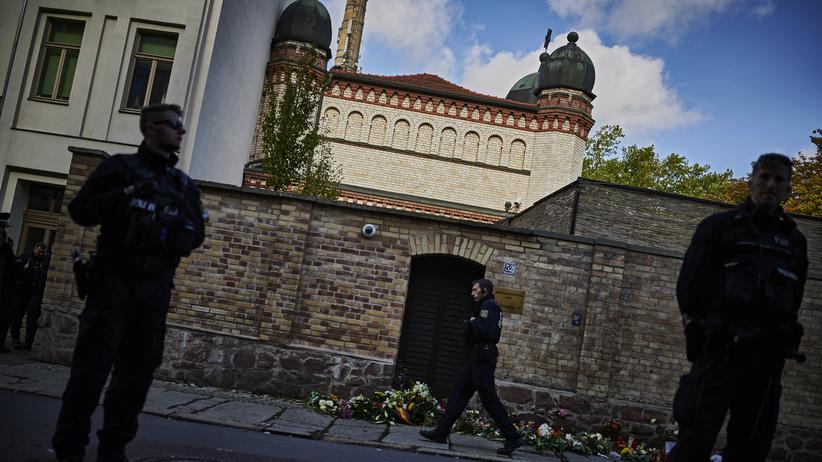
{"x": 432, "y": 346}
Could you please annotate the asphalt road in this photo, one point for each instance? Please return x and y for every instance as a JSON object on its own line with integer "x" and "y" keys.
{"x": 26, "y": 423}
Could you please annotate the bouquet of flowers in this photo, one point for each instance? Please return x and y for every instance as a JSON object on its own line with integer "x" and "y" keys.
{"x": 412, "y": 406}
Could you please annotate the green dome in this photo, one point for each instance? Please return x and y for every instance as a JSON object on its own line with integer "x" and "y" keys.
{"x": 306, "y": 21}
{"x": 567, "y": 67}
{"x": 523, "y": 90}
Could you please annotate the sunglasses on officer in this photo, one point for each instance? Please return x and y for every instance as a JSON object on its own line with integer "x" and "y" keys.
{"x": 174, "y": 124}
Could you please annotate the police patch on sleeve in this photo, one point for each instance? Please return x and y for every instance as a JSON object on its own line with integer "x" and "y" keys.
{"x": 483, "y": 313}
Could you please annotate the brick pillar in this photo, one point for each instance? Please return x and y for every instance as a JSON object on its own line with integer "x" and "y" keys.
{"x": 602, "y": 320}
{"x": 58, "y": 323}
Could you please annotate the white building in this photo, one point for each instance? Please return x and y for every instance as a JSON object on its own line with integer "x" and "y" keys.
{"x": 76, "y": 73}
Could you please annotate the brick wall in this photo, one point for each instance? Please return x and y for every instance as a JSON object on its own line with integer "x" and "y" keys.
{"x": 641, "y": 217}
{"x": 287, "y": 296}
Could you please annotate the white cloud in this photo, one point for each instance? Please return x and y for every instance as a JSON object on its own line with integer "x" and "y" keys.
{"x": 632, "y": 89}
{"x": 764, "y": 10}
{"x": 639, "y": 19}
{"x": 485, "y": 71}
{"x": 416, "y": 29}
{"x": 809, "y": 151}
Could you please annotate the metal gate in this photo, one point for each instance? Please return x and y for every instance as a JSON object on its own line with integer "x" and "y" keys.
{"x": 431, "y": 346}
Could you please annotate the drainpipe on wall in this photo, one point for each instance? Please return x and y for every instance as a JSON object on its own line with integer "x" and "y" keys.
{"x": 13, "y": 52}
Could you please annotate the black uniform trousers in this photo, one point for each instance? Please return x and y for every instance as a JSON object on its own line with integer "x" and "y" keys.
{"x": 750, "y": 389}
{"x": 7, "y": 312}
{"x": 29, "y": 306}
{"x": 122, "y": 326}
{"x": 477, "y": 375}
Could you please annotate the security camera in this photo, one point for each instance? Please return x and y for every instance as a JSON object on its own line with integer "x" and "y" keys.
{"x": 369, "y": 230}
{"x": 516, "y": 204}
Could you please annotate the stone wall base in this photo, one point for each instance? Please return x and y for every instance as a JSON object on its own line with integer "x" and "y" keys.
{"x": 209, "y": 359}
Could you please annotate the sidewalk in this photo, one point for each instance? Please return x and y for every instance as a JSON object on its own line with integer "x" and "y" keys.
{"x": 264, "y": 414}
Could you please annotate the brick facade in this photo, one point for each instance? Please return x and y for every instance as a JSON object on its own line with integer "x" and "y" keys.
{"x": 287, "y": 296}
{"x": 638, "y": 216}
{"x": 421, "y": 135}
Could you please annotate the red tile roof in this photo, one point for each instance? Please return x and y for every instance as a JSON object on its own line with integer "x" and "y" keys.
{"x": 429, "y": 81}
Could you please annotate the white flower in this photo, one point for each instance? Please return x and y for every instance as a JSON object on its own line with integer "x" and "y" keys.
{"x": 543, "y": 430}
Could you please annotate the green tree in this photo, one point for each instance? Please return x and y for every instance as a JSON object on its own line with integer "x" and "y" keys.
{"x": 297, "y": 157}
{"x": 806, "y": 181}
{"x": 605, "y": 159}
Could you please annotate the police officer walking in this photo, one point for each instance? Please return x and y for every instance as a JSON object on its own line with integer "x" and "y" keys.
{"x": 150, "y": 216}
{"x": 482, "y": 333}
{"x": 739, "y": 291}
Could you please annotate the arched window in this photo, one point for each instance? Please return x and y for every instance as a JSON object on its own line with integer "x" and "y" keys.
{"x": 448, "y": 139}
{"x": 424, "y": 135}
{"x": 517, "y": 154}
{"x": 353, "y": 126}
{"x": 469, "y": 151}
{"x": 401, "y": 129}
{"x": 493, "y": 154}
{"x": 377, "y": 134}
{"x": 330, "y": 120}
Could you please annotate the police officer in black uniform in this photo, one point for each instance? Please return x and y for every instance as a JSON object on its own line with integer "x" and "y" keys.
{"x": 482, "y": 333}
{"x": 739, "y": 291}
{"x": 30, "y": 288}
{"x": 150, "y": 215}
{"x": 7, "y": 277}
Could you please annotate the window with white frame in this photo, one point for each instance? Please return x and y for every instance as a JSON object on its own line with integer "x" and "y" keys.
{"x": 150, "y": 69}
{"x": 58, "y": 59}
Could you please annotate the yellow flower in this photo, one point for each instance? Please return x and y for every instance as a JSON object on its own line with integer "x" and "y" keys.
{"x": 626, "y": 452}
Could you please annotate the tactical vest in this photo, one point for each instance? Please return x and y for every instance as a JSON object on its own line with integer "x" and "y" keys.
{"x": 162, "y": 223}
{"x": 760, "y": 272}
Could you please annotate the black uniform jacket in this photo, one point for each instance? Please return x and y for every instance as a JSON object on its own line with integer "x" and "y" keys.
{"x": 741, "y": 260}
{"x": 102, "y": 201}
{"x": 486, "y": 325}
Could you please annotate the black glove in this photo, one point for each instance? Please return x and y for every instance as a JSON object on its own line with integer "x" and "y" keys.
{"x": 467, "y": 331}
{"x": 144, "y": 188}
{"x": 790, "y": 335}
{"x": 694, "y": 339}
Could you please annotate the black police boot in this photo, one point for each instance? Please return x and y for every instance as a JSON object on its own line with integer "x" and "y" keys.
{"x": 435, "y": 436}
{"x": 3, "y": 349}
{"x": 15, "y": 339}
{"x": 23, "y": 347}
{"x": 70, "y": 459}
{"x": 111, "y": 456}
{"x": 509, "y": 447}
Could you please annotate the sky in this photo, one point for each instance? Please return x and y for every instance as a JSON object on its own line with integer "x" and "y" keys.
{"x": 717, "y": 81}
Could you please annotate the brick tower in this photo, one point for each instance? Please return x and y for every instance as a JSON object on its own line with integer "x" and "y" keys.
{"x": 303, "y": 30}
{"x": 562, "y": 91}
{"x": 350, "y": 36}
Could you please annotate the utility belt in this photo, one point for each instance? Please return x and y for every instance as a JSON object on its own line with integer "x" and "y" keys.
{"x": 781, "y": 339}
{"x": 88, "y": 271}
{"x": 138, "y": 264}
{"x": 484, "y": 350}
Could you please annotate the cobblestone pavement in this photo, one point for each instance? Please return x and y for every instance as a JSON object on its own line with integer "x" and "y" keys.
{"x": 263, "y": 413}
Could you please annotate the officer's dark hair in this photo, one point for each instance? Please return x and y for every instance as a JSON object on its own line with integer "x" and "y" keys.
{"x": 773, "y": 159}
{"x": 153, "y": 113}
{"x": 485, "y": 285}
